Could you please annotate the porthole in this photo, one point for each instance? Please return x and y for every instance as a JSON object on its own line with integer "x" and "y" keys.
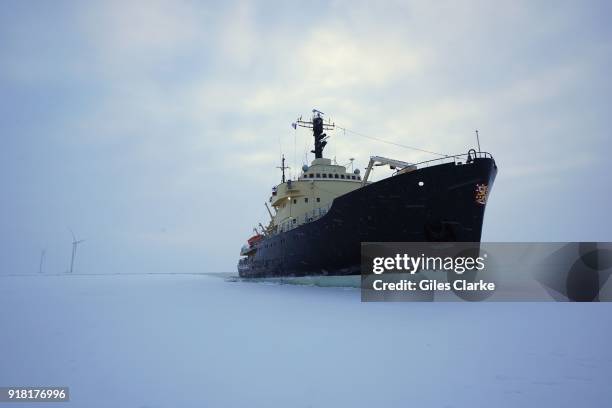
{"x": 421, "y": 184}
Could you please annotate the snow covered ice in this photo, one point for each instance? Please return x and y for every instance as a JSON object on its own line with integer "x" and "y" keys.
{"x": 202, "y": 341}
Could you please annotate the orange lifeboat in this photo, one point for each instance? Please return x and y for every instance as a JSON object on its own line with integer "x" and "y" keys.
{"x": 254, "y": 239}
{"x": 249, "y": 249}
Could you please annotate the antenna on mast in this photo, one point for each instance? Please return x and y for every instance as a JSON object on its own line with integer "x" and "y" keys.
{"x": 318, "y": 126}
{"x": 283, "y": 167}
{"x": 75, "y": 243}
{"x": 478, "y": 140}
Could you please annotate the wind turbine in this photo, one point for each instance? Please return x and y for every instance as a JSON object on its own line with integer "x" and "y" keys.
{"x": 74, "y": 249}
{"x": 42, "y": 258}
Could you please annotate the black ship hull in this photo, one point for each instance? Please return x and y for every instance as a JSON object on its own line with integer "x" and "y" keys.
{"x": 445, "y": 202}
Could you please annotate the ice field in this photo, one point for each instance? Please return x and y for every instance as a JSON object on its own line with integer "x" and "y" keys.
{"x": 204, "y": 341}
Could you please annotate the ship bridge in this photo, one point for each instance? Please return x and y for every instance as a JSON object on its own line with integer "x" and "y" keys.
{"x": 310, "y": 196}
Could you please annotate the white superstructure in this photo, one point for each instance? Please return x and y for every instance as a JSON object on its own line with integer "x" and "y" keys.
{"x": 296, "y": 202}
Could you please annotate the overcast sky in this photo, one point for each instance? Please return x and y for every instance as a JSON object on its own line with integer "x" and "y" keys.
{"x": 153, "y": 129}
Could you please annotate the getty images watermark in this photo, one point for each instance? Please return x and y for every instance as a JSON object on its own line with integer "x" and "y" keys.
{"x": 486, "y": 271}
{"x": 404, "y": 263}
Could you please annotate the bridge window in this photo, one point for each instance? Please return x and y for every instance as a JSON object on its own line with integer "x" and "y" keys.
{"x": 305, "y": 199}
{"x": 294, "y": 201}
{"x": 310, "y": 175}
{"x": 335, "y": 176}
{"x": 342, "y": 176}
{"x": 330, "y": 176}
{"x": 318, "y": 175}
{"x": 318, "y": 199}
{"x": 324, "y": 175}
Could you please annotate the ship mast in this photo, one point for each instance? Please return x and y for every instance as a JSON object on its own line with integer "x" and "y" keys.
{"x": 318, "y": 126}
{"x": 283, "y": 167}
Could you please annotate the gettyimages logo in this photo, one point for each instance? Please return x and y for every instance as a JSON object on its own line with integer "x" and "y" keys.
{"x": 453, "y": 274}
{"x": 451, "y": 271}
{"x": 410, "y": 264}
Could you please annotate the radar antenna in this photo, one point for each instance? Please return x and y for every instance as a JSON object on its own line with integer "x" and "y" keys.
{"x": 318, "y": 125}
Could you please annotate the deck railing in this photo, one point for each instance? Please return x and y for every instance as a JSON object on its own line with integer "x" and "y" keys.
{"x": 457, "y": 159}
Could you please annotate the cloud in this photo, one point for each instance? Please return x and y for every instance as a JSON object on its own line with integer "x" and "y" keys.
{"x": 161, "y": 123}
{"x": 334, "y": 59}
{"x": 134, "y": 34}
